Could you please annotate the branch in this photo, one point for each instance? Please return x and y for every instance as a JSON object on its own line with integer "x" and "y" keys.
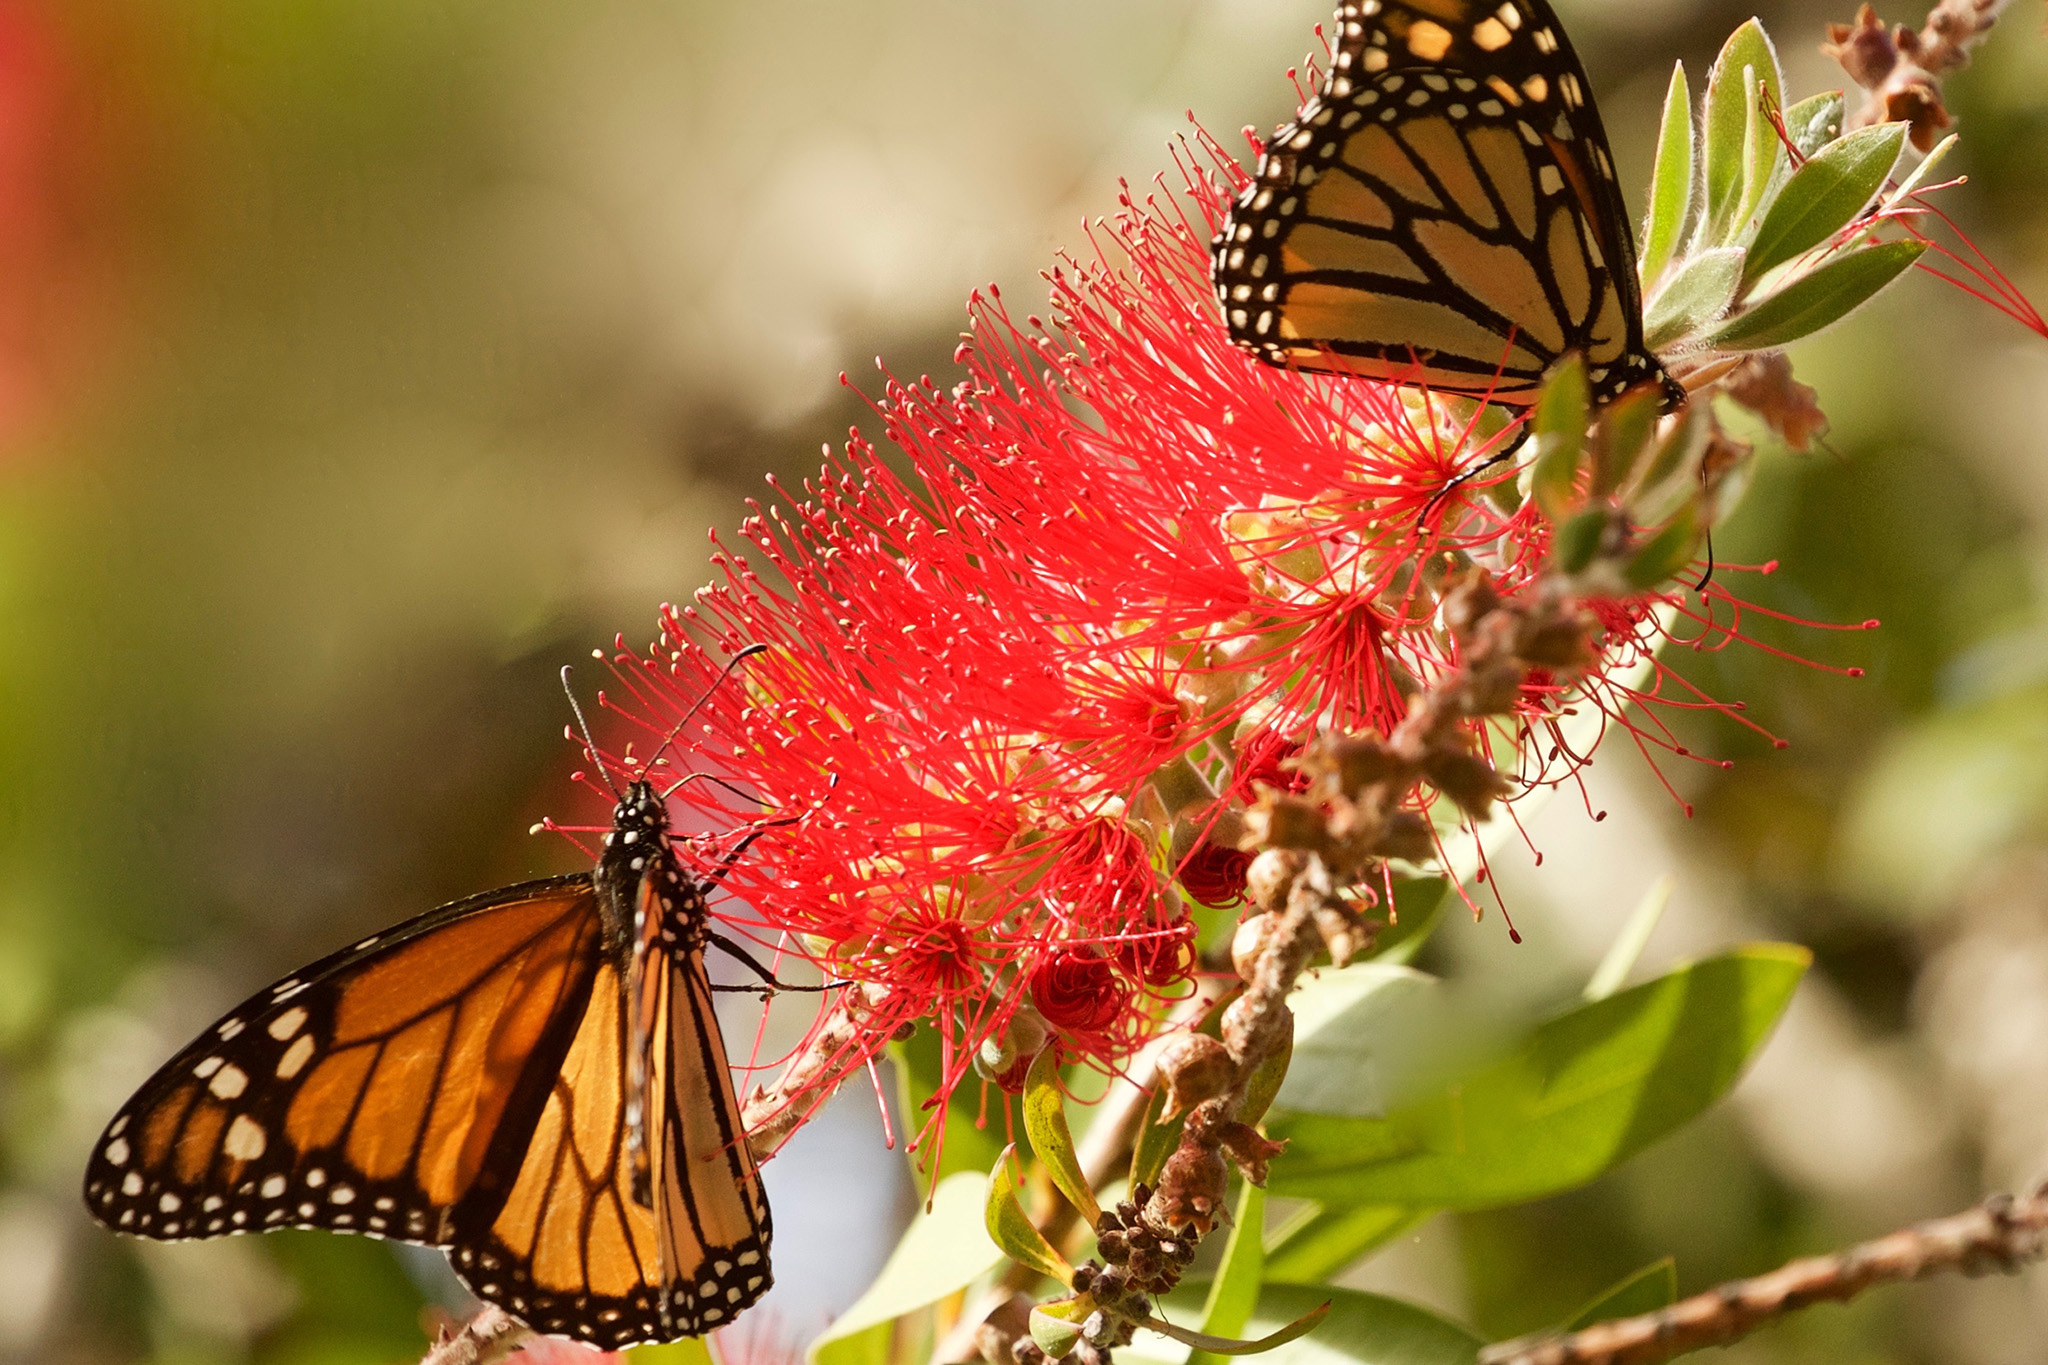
{"x": 492, "y": 1334}
{"x": 772, "y": 1112}
{"x": 1357, "y": 812}
{"x": 2000, "y": 1234}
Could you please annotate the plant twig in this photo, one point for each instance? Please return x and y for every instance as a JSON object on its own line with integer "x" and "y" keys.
{"x": 492, "y": 1334}
{"x": 772, "y": 1112}
{"x": 2002, "y": 1233}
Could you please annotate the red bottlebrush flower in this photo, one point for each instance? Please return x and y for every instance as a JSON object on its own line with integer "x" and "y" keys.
{"x": 1261, "y": 757}
{"x": 1079, "y": 992}
{"x": 1125, "y": 569}
{"x": 1214, "y": 874}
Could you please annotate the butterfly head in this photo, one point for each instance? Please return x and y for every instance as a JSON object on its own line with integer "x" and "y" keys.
{"x": 641, "y": 817}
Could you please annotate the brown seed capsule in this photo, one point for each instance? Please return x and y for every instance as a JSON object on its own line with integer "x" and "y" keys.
{"x": 1191, "y": 1189}
{"x": 1271, "y": 876}
{"x": 1249, "y": 943}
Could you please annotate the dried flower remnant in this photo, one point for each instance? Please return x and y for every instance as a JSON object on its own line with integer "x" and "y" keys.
{"x": 1027, "y": 691}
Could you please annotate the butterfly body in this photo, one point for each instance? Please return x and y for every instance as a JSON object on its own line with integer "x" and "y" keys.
{"x": 532, "y": 1078}
{"x": 1443, "y": 211}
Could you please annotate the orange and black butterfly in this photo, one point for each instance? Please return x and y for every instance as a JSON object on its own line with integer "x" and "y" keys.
{"x": 1443, "y": 211}
{"x": 532, "y": 1078}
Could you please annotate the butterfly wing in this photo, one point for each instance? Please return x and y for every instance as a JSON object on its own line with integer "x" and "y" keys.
{"x": 456, "y": 1082}
{"x": 1443, "y": 211}
{"x": 710, "y": 1209}
{"x": 366, "y": 1092}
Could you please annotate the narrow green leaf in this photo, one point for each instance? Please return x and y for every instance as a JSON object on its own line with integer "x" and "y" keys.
{"x": 1578, "y": 540}
{"x": 1695, "y": 296}
{"x": 1225, "y": 1346}
{"x": 1824, "y": 196}
{"x": 1918, "y": 175}
{"x": 1629, "y": 943}
{"x": 1585, "y": 1091}
{"x": 1671, "y": 181}
{"x": 1670, "y": 477}
{"x": 1560, "y": 424}
{"x": 1010, "y": 1228}
{"x": 1045, "y": 1121}
{"x": 1156, "y": 1141}
{"x": 1624, "y": 430}
{"x": 1763, "y": 155}
{"x": 1264, "y": 1083}
{"x": 1746, "y": 68}
{"x": 1056, "y": 1326}
{"x": 1331, "y": 1239}
{"x": 1664, "y": 555}
{"x": 1235, "y": 1290}
{"x": 1361, "y": 1329}
{"x": 1654, "y": 1286}
{"x": 1819, "y": 298}
{"x": 941, "y": 1252}
{"x": 1815, "y": 121}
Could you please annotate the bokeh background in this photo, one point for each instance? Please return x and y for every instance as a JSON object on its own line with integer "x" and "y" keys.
{"x": 363, "y": 361}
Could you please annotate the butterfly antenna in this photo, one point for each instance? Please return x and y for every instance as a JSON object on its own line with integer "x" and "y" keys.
{"x": 589, "y": 744}
{"x": 730, "y": 665}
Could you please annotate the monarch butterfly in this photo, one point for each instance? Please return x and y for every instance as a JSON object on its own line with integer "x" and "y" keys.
{"x": 1443, "y": 211}
{"x": 532, "y": 1078}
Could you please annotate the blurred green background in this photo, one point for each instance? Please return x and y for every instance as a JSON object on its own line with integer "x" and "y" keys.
{"x": 363, "y": 361}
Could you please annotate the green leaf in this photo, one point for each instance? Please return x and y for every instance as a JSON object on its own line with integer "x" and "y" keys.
{"x": 941, "y": 1252}
{"x": 1560, "y": 425}
{"x": 1227, "y": 1346}
{"x": 1824, "y": 196}
{"x": 1585, "y": 1091}
{"x": 1235, "y": 1290}
{"x": 1624, "y": 430}
{"x": 1695, "y": 297}
{"x": 1815, "y": 121}
{"x": 1265, "y": 1081}
{"x": 1654, "y": 1286}
{"x": 1671, "y": 181}
{"x": 1156, "y": 1141}
{"x": 1010, "y": 1228}
{"x": 1343, "y": 1023}
{"x": 1361, "y": 1329}
{"x": 1056, "y": 1326}
{"x": 1045, "y": 1121}
{"x": 1670, "y": 478}
{"x": 1739, "y": 159}
{"x": 1323, "y": 1244}
{"x": 1916, "y": 177}
{"x": 1660, "y": 558}
{"x": 1629, "y": 943}
{"x": 1816, "y": 299}
{"x": 1578, "y": 540}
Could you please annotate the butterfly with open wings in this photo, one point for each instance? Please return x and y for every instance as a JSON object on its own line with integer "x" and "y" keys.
{"x": 532, "y": 1078}
{"x": 1443, "y": 211}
